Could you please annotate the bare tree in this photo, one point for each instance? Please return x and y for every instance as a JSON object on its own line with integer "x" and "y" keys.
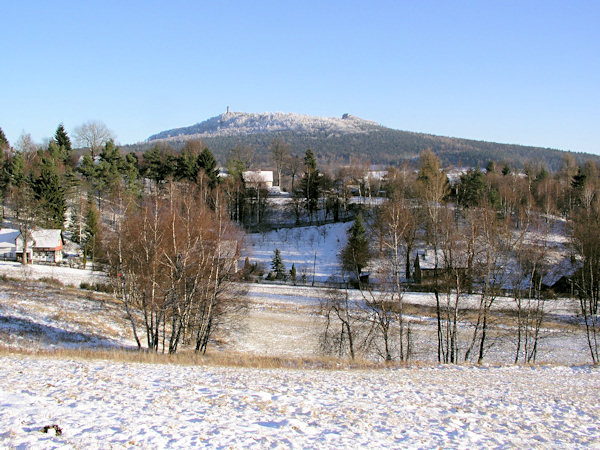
{"x": 173, "y": 259}
{"x": 586, "y": 244}
{"x": 294, "y": 165}
{"x": 93, "y": 135}
{"x": 399, "y": 233}
{"x": 433, "y": 187}
{"x": 25, "y": 207}
{"x": 342, "y": 323}
{"x": 532, "y": 266}
{"x": 280, "y": 152}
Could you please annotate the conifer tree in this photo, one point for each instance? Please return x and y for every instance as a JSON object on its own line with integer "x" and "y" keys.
{"x": 207, "y": 161}
{"x": 278, "y": 266}
{"x": 356, "y": 254}
{"x": 49, "y": 192}
{"x": 4, "y": 145}
{"x": 158, "y": 163}
{"x": 64, "y": 142}
{"x": 91, "y": 237}
{"x": 186, "y": 166}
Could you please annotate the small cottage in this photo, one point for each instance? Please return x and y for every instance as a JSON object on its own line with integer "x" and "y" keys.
{"x": 258, "y": 178}
{"x": 42, "y": 246}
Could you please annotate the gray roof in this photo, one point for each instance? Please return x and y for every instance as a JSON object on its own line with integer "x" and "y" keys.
{"x": 41, "y": 239}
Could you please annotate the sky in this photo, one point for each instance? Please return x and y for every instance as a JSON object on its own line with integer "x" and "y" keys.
{"x": 519, "y": 72}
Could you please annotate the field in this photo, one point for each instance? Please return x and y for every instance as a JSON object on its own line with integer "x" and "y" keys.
{"x": 55, "y": 370}
{"x": 104, "y": 404}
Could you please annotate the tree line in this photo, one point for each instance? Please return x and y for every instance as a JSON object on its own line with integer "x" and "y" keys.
{"x": 489, "y": 235}
{"x": 165, "y": 226}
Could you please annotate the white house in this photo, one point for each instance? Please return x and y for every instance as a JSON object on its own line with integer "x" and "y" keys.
{"x": 43, "y": 246}
{"x": 263, "y": 178}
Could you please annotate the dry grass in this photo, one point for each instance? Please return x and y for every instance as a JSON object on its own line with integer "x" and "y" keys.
{"x": 214, "y": 359}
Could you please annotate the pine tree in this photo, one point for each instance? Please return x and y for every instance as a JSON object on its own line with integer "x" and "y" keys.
{"x": 131, "y": 173}
{"x": 108, "y": 168}
{"x": 186, "y": 166}
{"x": 76, "y": 222}
{"x": 472, "y": 188}
{"x": 278, "y": 266}
{"x": 158, "y": 163}
{"x": 293, "y": 273}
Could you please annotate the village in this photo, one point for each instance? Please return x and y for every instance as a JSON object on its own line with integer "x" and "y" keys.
{"x": 293, "y": 225}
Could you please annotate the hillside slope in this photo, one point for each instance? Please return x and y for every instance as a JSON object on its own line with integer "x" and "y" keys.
{"x": 103, "y": 404}
{"x": 340, "y": 140}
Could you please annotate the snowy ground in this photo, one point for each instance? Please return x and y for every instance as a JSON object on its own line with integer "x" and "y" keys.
{"x": 312, "y": 249}
{"x": 40, "y": 316}
{"x": 66, "y": 275}
{"x": 282, "y": 321}
{"x": 99, "y": 404}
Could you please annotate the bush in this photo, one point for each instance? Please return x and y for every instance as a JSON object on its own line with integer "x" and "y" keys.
{"x": 52, "y": 281}
{"x": 97, "y": 287}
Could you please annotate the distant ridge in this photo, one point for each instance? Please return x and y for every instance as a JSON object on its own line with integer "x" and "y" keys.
{"x": 348, "y": 138}
{"x": 240, "y": 124}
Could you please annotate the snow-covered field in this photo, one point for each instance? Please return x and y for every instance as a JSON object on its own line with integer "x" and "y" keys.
{"x": 312, "y": 249}
{"x": 100, "y": 404}
{"x": 39, "y": 316}
{"x": 66, "y": 275}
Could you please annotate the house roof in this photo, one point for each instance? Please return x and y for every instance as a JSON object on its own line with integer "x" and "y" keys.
{"x": 41, "y": 239}
{"x": 259, "y": 176}
{"x": 7, "y": 239}
{"x": 8, "y": 235}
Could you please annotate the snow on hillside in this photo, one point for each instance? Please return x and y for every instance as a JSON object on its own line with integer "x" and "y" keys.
{"x": 100, "y": 404}
{"x": 39, "y": 316}
{"x": 314, "y": 247}
{"x": 239, "y": 123}
{"x": 66, "y": 275}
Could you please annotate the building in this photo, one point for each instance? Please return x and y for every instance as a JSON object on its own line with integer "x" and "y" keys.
{"x": 258, "y": 178}
{"x": 42, "y": 246}
{"x": 8, "y": 237}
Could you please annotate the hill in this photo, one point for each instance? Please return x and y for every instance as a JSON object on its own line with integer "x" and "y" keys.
{"x": 340, "y": 140}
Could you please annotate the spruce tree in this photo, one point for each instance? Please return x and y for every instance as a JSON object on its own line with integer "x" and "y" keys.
{"x": 355, "y": 256}
{"x": 91, "y": 233}
{"x": 64, "y": 142}
{"x": 4, "y": 145}
{"x": 49, "y": 191}
{"x": 293, "y": 273}
{"x": 278, "y": 267}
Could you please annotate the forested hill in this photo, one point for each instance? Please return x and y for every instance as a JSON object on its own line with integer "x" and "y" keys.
{"x": 339, "y": 140}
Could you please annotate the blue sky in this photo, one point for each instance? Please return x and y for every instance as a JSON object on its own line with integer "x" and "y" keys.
{"x": 506, "y": 71}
